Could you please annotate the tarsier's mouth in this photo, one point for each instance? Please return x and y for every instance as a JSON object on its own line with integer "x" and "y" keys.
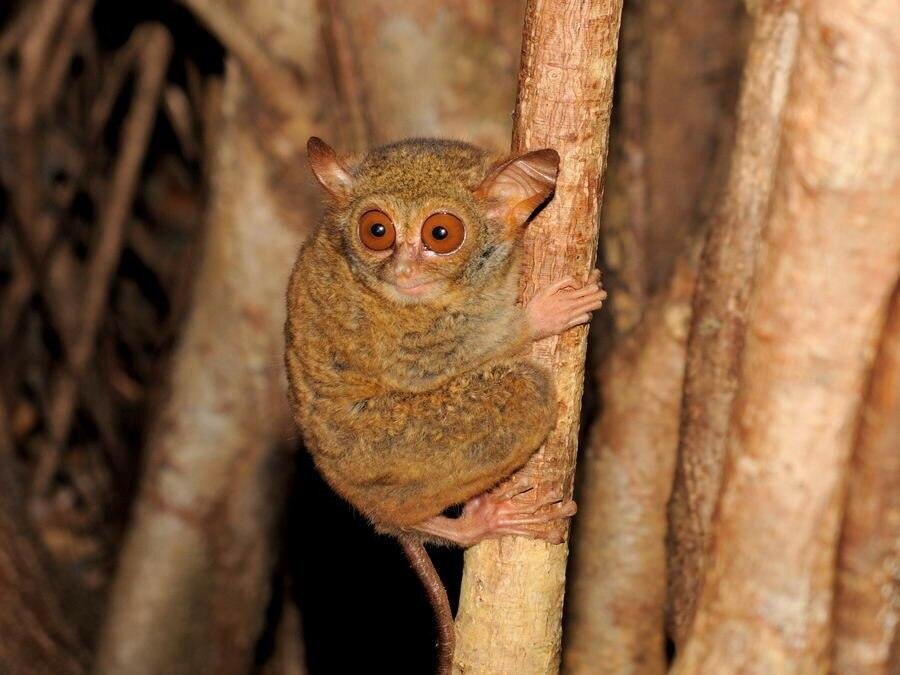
{"x": 413, "y": 288}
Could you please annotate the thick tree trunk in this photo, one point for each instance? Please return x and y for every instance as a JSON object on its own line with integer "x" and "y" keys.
{"x": 194, "y": 577}
{"x": 867, "y": 597}
{"x": 827, "y": 264}
{"x": 512, "y": 591}
{"x": 673, "y": 121}
{"x": 720, "y": 306}
{"x": 617, "y": 594}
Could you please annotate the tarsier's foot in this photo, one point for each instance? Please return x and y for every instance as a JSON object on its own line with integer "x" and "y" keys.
{"x": 501, "y": 513}
{"x": 563, "y": 305}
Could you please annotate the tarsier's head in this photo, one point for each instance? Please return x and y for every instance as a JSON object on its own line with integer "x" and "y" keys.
{"x": 423, "y": 218}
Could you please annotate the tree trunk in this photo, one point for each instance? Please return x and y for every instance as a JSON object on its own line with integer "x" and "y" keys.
{"x": 720, "y": 306}
{"x": 617, "y": 594}
{"x": 194, "y": 578}
{"x": 673, "y": 120}
{"x": 672, "y": 126}
{"x": 867, "y": 597}
{"x": 512, "y": 590}
{"x": 828, "y": 262}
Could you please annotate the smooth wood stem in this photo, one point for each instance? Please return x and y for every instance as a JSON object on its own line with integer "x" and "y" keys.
{"x": 512, "y": 590}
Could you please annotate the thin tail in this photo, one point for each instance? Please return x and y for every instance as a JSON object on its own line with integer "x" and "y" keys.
{"x": 437, "y": 595}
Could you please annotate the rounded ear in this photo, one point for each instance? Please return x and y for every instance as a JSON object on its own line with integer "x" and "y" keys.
{"x": 327, "y": 168}
{"x": 516, "y": 187}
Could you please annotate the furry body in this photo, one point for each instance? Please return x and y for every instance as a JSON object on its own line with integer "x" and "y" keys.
{"x": 411, "y": 407}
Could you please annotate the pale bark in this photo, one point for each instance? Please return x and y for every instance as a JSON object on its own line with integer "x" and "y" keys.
{"x": 720, "y": 306}
{"x": 867, "y": 597}
{"x": 512, "y": 590}
{"x": 827, "y": 264}
{"x": 894, "y": 658}
{"x": 194, "y": 576}
{"x": 617, "y": 593}
{"x": 674, "y": 115}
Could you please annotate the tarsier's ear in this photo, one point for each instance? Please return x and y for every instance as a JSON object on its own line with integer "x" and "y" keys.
{"x": 327, "y": 168}
{"x": 514, "y": 189}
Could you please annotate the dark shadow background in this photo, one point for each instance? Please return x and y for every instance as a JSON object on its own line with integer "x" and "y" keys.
{"x": 363, "y": 607}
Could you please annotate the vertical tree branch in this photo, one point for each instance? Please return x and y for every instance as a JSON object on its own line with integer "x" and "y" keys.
{"x": 615, "y": 616}
{"x": 867, "y": 597}
{"x": 720, "y": 305}
{"x": 58, "y": 66}
{"x": 345, "y": 68}
{"x": 194, "y": 578}
{"x": 674, "y": 115}
{"x": 274, "y": 80}
{"x": 512, "y": 591}
{"x": 828, "y": 262}
{"x": 33, "y": 55}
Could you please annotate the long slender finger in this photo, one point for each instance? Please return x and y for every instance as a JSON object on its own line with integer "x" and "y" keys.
{"x": 572, "y": 304}
{"x": 596, "y": 296}
{"x": 586, "y": 305}
{"x": 587, "y": 289}
{"x": 556, "y": 511}
{"x": 512, "y": 511}
{"x": 557, "y": 286}
{"x": 554, "y": 495}
{"x": 578, "y": 320}
{"x": 513, "y": 488}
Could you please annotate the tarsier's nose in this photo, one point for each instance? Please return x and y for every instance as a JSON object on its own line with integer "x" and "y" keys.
{"x": 404, "y": 262}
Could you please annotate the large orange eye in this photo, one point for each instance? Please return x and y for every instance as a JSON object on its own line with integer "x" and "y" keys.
{"x": 376, "y": 230}
{"x": 443, "y": 233}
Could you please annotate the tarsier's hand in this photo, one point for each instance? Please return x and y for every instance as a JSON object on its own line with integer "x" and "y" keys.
{"x": 562, "y": 305}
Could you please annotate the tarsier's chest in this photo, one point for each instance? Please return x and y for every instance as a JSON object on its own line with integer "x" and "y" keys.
{"x": 396, "y": 344}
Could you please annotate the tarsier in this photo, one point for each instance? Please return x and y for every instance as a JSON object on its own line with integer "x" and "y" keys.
{"x": 407, "y": 354}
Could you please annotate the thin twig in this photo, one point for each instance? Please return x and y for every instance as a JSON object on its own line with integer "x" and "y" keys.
{"x": 57, "y": 68}
{"x": 32, "y": 54}
{"x": 152, "y": 66}
{"x": 17, "y": 29}
{"x": 35, "y": 267}
{"x": 277, "y": 83}
{"x": 346, "y": 71}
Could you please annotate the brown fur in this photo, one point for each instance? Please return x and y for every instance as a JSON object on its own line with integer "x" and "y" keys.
{"x": 411, "y": 407}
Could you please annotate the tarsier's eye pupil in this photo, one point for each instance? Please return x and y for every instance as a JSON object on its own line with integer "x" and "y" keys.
{"x": 439, "y": 233}
{"x": 378, "y": 230}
